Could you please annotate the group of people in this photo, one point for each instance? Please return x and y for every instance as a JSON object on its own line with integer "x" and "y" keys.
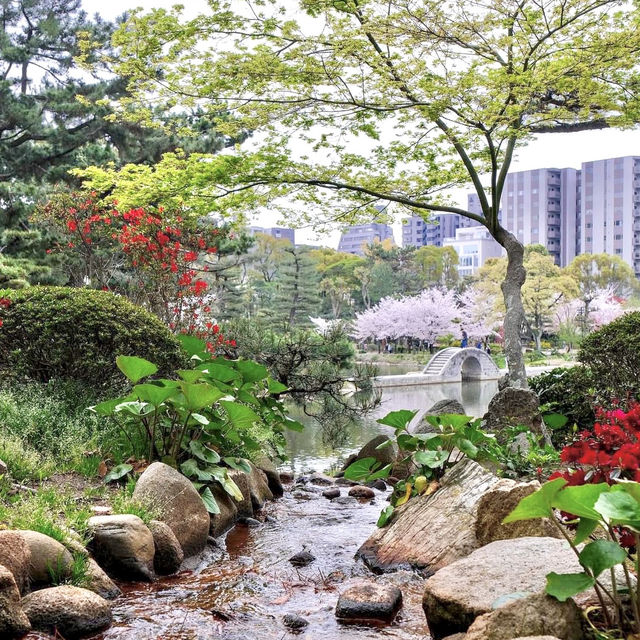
{"x": 481, "y": 344}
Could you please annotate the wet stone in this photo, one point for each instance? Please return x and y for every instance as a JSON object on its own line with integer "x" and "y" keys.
{"x": 330, "y": 494}
{"x": 378, "y": 484}
{"x": 360, "y": 491}
{"x": 343, "y": 482}
{"x": 252, "y": 523}
{"x": 369, "y": 601}
{"x": 294, "y": 622}
{"x": 302, "y": 558}
{"x": 305, "y": 495}
{"x": 348, "y": 501}
{"x": 321, "y": 480}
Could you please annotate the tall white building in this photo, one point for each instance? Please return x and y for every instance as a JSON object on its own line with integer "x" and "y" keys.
{"x": 474, "y": 246}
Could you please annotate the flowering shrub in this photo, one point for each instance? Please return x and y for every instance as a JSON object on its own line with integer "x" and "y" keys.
{"x": 5, "y": 303}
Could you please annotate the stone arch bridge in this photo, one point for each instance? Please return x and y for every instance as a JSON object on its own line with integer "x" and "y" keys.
{"x": 455, "y": 364}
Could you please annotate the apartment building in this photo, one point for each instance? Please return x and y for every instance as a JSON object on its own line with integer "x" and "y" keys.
{"x": 474, "y": 246}
{"x": 418, "y": 233}
{"x": 354, "y": 239}
{"x": 276, "y": 232}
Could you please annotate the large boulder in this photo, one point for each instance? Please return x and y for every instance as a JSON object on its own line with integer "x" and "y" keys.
{"x": 259, "y": 488}
{"x": 512, "y": 407}
{"x": 489, "y": 577}
{"x": 169, "y": 555}
{"x": 538, "y": 614}
{"x": 13, "y": 621}
{"x": 221, "y": 522}
{"x": 384, "y": 456}
{"x": 368, "y": 601}
{"x": 244, "y": 508}
{"x": 99, "y": 582}
{"x": 50, "y": 560}
{"x": 273, "y": 477}
{"x": 180, "y": 506}
{"x": 442, "y": 407}
{"x": 71, "y": 611}
{"x": 123, "y": 546}
{"x": 15, "y": 555}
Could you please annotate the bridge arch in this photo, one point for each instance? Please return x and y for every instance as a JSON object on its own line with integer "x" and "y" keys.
{"x": 455, "y": 364}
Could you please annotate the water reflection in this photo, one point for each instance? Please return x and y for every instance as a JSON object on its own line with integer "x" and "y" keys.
{"x": 311, "y": 449}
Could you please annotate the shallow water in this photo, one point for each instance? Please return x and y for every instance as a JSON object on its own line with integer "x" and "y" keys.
{"x": 244, "y": 587}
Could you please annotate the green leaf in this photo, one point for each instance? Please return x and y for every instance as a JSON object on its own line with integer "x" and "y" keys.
{"x": 190, "y": 375}
{"x": 154, "y": 394}
{"x": 618, "y": 507}
{"x": 240, "y": 464}
{"x": 381, "y": 473}
{"x": 467, "y": 447}
{"x": 600, "y": 555}
{"x": 361, "y": 469}
{"x": 222, "y": 476}
{"x": 385, "y": 516}
{"x": 240, "y": 416}
{"x": 135, "y": 368}
{"x": 107, "y": 407}
{"x": 275, "y": 387}
{"x": 580, "y": 500}
{"x": 538, "y": 504}
{"x": 406, "y": 442}
{"x": 192, "y": 345}
{"x": 454, "y": 420}
{"x": 555, "y": 420}
{"x": 203, "y": 420}
{"x": 628, "y": 486}
{"x": 210, "y": 502}
{"x": 251, "y": 371}
{"x": 118, "y": 472}
{"x": 584, "y": 529}
{"x": 198, "y": 396}
{"x": 563, "y": 586}
{"x": 189, "y": 468}
{"x": 220, "y": 372}
{"x": 384, "y": 445}
{"x": 398, "y": 419}
{"x": 431, "y": 459}
{"x": 203, "y": 453}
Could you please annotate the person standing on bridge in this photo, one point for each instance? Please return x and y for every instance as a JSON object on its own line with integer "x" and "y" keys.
{"x": 464, "y": 343}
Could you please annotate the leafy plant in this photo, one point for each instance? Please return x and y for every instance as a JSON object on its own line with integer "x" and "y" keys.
{"x": 593, "y": 506}
{"x": 205, "y": 422}
{"x": 427, "y": 456}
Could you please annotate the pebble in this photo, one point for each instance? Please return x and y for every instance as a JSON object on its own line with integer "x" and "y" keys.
{"x": 293, "y": 621}
{"x": 302, "y": 559}
{"x": 252, "y": 523}
{"x": 360, "y": 491}
{"x": 330, "y": 494}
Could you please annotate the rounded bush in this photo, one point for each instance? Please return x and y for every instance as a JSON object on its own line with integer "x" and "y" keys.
{"x": 67, "y": 333}
{"x": 613, "y": 355}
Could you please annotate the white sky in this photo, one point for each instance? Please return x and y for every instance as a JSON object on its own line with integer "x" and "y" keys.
{"x": 559, "y": 150}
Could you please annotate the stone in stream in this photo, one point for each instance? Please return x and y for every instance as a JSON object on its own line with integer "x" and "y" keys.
{"x": 220, "y": 523}
{"x": 302, "y": 558}
{"x": 344, "y": 482}
{"x": 295, "y": 622}
{"x": 321, "y": 480}
{"x": 252, "y": 523}
{"x": 330, "y": 494}
{"x": 384, "y": 456}
{"x": 378, "y": 484}
{"x": 305, "y": 495}
{"x": 163, "y": 488}
{"x": 71, "y": 611}
{"x": 273, "y": 477}
{"x": 442, "y": 407}
{"x": 13, "y": 621}
{"x": 490, "y": 576}
{"x": 168, "y": 552}
{"x": 15, "y": 555}
{"x": 99, "y": 582}
{"x": 511, "y": 407}
{"x": 286, "y": 477}
{"x": 123, "y": 546}
{"x": 360, "y": 491}
{"x": 347, "y": 501}
{"x": 50, "y": 560}
{"x": 369, "y": 601}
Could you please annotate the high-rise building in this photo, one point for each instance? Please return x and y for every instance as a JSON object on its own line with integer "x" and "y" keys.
{"x": 276, "y": 232}
{"x": 418, "y": 233}
{"x": 474, "y": 245}
{"x": 354, "y": 239}
{"x": 540, "y": 207}
{"x": 609, "y": 220}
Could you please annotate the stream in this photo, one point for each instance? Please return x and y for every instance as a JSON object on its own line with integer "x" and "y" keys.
{"x": 242, "y": 589}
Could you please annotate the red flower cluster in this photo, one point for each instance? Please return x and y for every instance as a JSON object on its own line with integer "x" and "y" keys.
{"x": 5, "y": 303}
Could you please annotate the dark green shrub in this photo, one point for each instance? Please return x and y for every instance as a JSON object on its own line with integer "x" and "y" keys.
{"x": 67, "y": 333}
{"x": 568, "y": 391}
{"x": 613, "y": 355}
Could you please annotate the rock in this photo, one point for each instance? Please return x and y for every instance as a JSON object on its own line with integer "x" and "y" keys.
{"x": 163, "y": 488}
{"x": 245, "y": 507}
{"x": 100, "y": 510}
{"x": 498, "y": 503}
{"x": 343, "y": 482}
{"x": 348, "y": 501}
{"x": 384, "y": 456}
{"x": 71, "y": 611}
{"x": 369, "y": 601}
{"x": 221, "y": 522}
{"x": 321, "y": 480}
{"x": 378, "y": 484}
{"x": 440, "y": 408}
{"x": 298, "y": 494}
{"x": 15, "y": 555}
{"x": 13, "y": 621}
{"x": 456, "y": 636}
{"x": 511, "y": 407}
{"x": 99, "y": 582}
{"x": 430, "y": 532}
{"x": 168, "y": 552}
{"x": 252, "y": 523}
{"x": 292, "y": 621}
{"x": 50, "y": 560}
{"x": 330, "y": 494}
{"x": 3, "y": 468}
{"x": 489, "y": 577}
{"x": 123, "y": 546}
{"x": 259, "y": 488}
{"x": 360, "y": 491}
{"x": 286, "y": 477}
{"x": 532, "y": 615}
{"x": 273, "y": 477}
{"x": 302, "y": 558}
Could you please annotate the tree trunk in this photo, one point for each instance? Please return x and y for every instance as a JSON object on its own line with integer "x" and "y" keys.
{"x": 515, "y": 316}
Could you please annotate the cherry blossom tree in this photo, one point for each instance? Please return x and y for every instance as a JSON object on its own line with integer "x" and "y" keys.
{"x": 479, "y": 312}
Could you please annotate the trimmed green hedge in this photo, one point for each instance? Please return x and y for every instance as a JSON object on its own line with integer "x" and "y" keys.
{"x": 68, "y": 333}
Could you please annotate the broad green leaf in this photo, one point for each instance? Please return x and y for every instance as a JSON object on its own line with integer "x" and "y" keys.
{"x": 135, "y": 408}
{"x": 198, "y": 396}
{"x": 203, "y": 453}
{"x": 154, "y": 394}
{"x": 203, "y": 420}
{"x": 467, "y": 447}
{"x": 247, "y": 398}
{"x": 381, "y": 473}
{"x": 192, "y": 345}
{"x": 538, "y": 504}
{"x": 628, "y": 486}
{"x": 600, "y": 555}
{"x": 580, "y": 500}
{"x": 618, "y": 507}
{"x": 275, "y": 387}
{"x": 240, "y": 464}
{"x": 555, "y": 420}
{"x": 220, "y": 372}
{"x": 240, "y": 416}
{"x": 584, "y": 529}
{"x": 563, "y": 586}
{"x": 385, "y": 516}
{"x": 135, "y": 368}
{"x": 361, "y": 469}
{"x": 190, "y": 375}
{"x": 222, "y": 476}
{"x": 251, "y": 371}
{"x": 431, "y": 459}
{"x": 189, "y": 468}
{"x": 107, "y": 407}
{"x": 118, "y": 472}
{"x": 398, "y": 419}
{"x": 454, "y": 420}
{"x": 210, "y": 502}
{"x": 406, "y": 442}
{"x": 384, "y": 445}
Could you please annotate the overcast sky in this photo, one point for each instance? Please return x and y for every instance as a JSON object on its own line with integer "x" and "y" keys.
{"x": 560, "y": 150}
